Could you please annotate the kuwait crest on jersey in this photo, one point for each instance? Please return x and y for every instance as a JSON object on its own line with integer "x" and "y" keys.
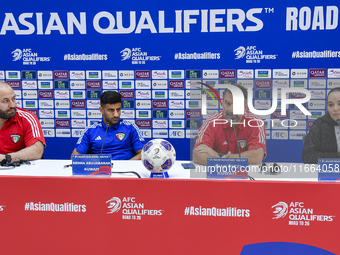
{"x": 120, "y": 136}
{"x": 15, "y": 138}
{"x": 243, "y": 143}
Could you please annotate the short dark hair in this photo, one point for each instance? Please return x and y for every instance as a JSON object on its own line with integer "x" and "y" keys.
{"x": 110, "y": 97}
{"x": 243, "y": 89}
{"x": 333, "y": 90}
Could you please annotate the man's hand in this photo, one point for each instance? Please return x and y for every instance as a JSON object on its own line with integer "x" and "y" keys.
{"x": 228, "y": 155}
{"x": 203, "y": 149}
{"x": 138, "y": 155}
{"x": 33, "y": 152}
{"x": 75, "y": 152}
{"x": 202, "y": 152}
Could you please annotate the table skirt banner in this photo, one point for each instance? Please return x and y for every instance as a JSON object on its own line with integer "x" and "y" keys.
{"x": 77, "y": 215}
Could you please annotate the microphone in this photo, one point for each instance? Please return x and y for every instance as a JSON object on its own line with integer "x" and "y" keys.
{"x": 338, "y": 121}
{"x": 238, "y": 146}
{"x": 239, "y": 152}
{"x": 107, "y": 127}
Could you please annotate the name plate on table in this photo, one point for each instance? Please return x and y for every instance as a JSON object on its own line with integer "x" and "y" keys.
{"x": 227, "y": 168}
{"x": 91, "y": 164}
{"x": 329, "y": 169}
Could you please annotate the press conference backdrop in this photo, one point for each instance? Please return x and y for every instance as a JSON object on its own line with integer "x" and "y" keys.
{"x": 59, "y": 57}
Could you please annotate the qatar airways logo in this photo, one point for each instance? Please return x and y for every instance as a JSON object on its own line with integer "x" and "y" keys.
{"x": 263, "y": 84}
{"x": 143, "y": 123}
{"x": 317, "y": 73}
{"x": 297, "y": 95}
{"x": 228, "y": 74}
{"x": 143, "y": 75}
{"x": 159, "y": 104}
{"x": 176, "y": 84}
{"x": 93, "y": 84}
{"x": 46, "y": 94}
{"x": 62, "y": 123}
{"x": 127, "y": 94}
{"x": 77, "y": 103}
{"x": 196, "y": 114}
{"x": 14, "y": 84}
{"x": 280, "y": 115}
{"x": 61, "y": 75}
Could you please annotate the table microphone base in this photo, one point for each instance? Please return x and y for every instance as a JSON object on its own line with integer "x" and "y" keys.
{"x": 159, "y": 175}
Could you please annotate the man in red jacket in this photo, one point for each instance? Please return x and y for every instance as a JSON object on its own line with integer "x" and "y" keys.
{"x": 21, "y": 136}
{"x": 221, "y": 140}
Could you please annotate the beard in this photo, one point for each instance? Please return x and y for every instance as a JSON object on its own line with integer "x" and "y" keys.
{"x": 235, "y": 118}
{"x": 6, "y": 115}
{"x": 112, "y": 121}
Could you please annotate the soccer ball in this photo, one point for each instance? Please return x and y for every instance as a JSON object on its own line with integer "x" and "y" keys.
{"x": 158, "y": 155}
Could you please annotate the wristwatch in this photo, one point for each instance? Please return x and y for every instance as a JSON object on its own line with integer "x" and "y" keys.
{"x": 8, "y": 158}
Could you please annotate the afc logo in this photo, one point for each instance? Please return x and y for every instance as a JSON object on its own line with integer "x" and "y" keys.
{"x": 280, "y": 135}
{"x": 145, "y": 133}
{"x": 177, "y": 134}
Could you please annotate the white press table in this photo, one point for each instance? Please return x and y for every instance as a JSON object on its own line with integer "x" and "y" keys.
{"x": 56, "y": 168}
{"x": 289, "y": 171}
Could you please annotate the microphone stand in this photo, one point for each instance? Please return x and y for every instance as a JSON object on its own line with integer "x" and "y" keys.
{"x": 239, "y": 151}
{"x": 107, "y": 127}
{"x": 238, "y": 146}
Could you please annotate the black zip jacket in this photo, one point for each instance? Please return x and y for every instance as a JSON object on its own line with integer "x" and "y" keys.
{"x": 320, "y": 142}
